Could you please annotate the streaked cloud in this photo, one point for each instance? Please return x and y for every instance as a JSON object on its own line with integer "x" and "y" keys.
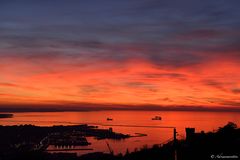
{"x": 128, "y": 52}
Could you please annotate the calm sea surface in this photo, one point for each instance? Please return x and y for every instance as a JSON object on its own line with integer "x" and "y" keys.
{"x": 207, "y": 121}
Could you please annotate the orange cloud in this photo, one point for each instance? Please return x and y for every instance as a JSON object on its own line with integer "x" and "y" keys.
{"x": 213, "y": 83}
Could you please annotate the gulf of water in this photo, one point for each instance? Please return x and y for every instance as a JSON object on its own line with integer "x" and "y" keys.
{"x": 129, "y": 122}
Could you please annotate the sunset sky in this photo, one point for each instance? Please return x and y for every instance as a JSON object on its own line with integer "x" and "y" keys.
{"x": 160, "y": 52}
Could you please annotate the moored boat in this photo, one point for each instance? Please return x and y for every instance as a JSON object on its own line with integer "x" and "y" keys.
{"x": 157, "y": 118}
{"x": 109, "y": 119}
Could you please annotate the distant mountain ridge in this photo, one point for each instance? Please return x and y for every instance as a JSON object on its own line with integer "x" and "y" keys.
{"x": 101, "y": 107}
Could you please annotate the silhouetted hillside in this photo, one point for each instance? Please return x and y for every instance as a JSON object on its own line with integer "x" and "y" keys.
{"x": 222, "y": 144}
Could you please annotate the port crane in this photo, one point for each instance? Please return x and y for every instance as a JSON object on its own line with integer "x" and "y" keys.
{"x": 109, "y": 148}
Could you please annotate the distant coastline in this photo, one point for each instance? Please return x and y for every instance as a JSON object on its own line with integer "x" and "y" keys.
{"x": 6, "y": 115}
{"x": 112, "y": 107}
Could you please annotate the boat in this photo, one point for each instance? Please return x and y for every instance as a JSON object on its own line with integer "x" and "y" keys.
{"x": 109, "y": 119}
{"x": 157, "y": 118}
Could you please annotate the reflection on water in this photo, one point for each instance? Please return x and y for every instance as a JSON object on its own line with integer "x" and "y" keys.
{"x": 206, "y": 121}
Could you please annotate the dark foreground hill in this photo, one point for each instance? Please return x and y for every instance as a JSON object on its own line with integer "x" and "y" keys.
{"x": 221, "y": 144}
